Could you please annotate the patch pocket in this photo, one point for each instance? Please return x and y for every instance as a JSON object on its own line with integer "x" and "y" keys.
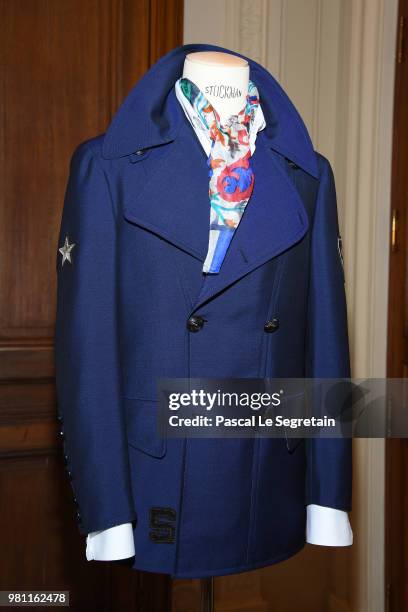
{"x": 294, "y": 405}
{"x": 141, "y": 426}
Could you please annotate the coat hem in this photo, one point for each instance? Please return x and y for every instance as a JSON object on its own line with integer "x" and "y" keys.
{"x": 226, "y": 570}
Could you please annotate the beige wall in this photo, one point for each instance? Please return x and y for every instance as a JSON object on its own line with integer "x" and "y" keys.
{"x": 335, "y": 58}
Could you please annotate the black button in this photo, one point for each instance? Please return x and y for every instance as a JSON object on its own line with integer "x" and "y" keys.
{"x": 69, "y": 474}
{"x": 59, "y": 417}
{"x": 195, "y": 323}
{"x": 78, "y": 517}
{"x": 61, "y": 433}
{"x": 271, "y": 326}
{"x": 66, "y": 459}
{"x": 292, "y": 164}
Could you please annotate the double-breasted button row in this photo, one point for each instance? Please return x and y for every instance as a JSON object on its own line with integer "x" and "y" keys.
{"x": 195, "y": 323}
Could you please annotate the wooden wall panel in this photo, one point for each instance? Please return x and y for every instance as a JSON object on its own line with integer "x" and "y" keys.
{"x": 49, "y": 104}
{"x": 67, "y": 66}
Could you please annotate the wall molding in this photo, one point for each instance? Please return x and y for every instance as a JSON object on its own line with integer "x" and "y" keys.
{"x": 369, "y": 33}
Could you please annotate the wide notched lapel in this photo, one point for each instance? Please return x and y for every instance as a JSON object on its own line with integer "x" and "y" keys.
{"x": 274, "y": 219}
{"x": 173, "y": 202}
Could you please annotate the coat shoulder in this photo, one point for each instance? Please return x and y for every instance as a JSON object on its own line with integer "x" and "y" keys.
{"x": 324, "y": 165}
{"x": 91, "y": 146}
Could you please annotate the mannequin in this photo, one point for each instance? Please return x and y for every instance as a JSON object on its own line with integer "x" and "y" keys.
{"x": 223, "y": 79}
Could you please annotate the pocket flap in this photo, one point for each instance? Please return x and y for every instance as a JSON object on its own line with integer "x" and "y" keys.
{"x": 141, "y": 425}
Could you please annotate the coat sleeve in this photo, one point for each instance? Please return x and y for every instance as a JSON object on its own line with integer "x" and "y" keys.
{"x": 329, "y": 467}
{"x": 87, "y": 357}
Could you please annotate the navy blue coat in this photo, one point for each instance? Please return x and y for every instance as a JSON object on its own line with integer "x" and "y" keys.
{"x": 137, "y": 210}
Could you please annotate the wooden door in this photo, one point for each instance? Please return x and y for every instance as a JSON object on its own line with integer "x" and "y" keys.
{"x": 397, "y": 449}
{"x": 65, "y": 67}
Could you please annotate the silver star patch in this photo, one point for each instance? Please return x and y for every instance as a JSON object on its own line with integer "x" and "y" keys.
{"x": 66, "y": 251}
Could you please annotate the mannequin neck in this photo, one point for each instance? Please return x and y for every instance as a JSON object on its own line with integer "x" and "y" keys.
{"x": 223, "y": 79}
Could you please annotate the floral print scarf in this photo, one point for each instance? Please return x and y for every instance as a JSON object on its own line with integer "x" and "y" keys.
{"x": 230, "y": 173}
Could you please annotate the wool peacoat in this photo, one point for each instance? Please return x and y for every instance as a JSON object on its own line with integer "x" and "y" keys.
{"x": 134, "y": 306}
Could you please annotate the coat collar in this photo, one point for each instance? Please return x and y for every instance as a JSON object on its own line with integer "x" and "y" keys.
{"x": 151, "y": 115}
{"x": 175, "y": 207}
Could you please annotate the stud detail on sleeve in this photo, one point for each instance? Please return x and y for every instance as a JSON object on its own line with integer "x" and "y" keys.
{"x": 65, "y": 251}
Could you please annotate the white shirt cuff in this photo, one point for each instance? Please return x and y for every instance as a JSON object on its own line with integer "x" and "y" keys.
{"x": 324, "y": 527}
{"x": 111, "y": 544}
{"x": 328, "y": 526}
